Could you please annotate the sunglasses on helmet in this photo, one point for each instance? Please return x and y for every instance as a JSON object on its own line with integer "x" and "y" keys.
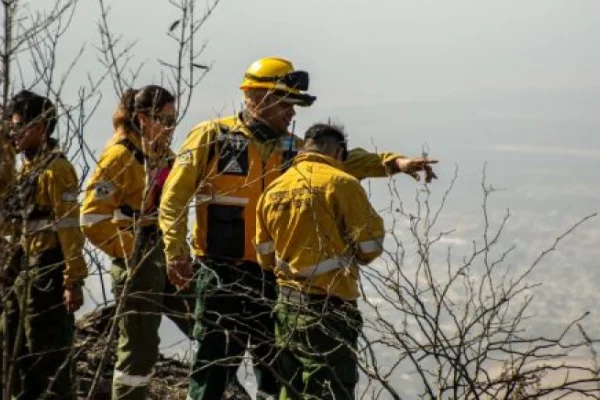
{"x": 298, "y": 80}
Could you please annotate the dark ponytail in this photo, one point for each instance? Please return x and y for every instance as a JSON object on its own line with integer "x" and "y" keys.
{"x": 125, "y": 114}
{"x": 149, "y": 99}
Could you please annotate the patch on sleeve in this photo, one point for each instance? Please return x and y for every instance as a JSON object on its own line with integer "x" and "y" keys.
{"x": 103, "y": 189}
{"x": 184, "y": 158}
{"x": 69, "y": 197}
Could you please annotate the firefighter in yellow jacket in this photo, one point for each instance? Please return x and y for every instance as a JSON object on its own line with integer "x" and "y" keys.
{"x": 7, "y": 177}
{"x": 222, "y": 168}
{"x": 7, "y": 165}
{"x": 119, "y": 216}
{"x": 314, "y": 227}
{"x": 48, "y": 271}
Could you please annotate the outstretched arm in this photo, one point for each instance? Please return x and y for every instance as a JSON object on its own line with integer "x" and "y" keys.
{"x": 362, "y": 164}
{"x": 412, "y": 167}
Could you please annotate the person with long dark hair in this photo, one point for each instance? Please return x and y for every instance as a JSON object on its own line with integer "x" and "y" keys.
{"x": 119, "y": 216}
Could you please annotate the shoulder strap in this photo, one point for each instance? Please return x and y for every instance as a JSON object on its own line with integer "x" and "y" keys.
{"x": 128, "y": 144}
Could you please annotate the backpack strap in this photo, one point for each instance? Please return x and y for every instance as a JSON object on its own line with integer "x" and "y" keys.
{"x": 128, "y": 144}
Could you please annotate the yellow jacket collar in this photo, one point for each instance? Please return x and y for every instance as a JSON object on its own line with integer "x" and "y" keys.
{"x": 318, "y": 158}
{"x": 238, "y": 125}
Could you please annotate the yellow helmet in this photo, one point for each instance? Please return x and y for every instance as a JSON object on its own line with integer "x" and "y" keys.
{"x": 278, "y": 75}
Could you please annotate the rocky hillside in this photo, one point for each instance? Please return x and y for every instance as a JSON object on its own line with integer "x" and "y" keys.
{"x": 170, "y": 378}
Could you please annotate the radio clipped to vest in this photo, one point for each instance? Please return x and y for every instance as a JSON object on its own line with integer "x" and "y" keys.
{"x": 289, "y": 151}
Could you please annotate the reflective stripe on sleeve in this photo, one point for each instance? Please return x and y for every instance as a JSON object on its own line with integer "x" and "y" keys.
{"x": 68, "y": 223}
{"x": 371, "y": 246}
{"x": 120, "y": 216}
{"x": 131, "y": 380}
{"x": 49, "y": 225}
{"x": 265, "y": 248}
{"x": 207, "y": 198}
{"x": 91, "y": 219}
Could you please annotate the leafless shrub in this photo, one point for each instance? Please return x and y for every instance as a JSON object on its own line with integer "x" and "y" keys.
{"x": 458, "y": 327}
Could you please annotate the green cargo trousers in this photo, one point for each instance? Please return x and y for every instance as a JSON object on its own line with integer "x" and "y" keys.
{"x": 234, "y": 306}
{"x": 150, "y": 296}
{"x": 37, "y": 324}
{"x": 317, "y": 337}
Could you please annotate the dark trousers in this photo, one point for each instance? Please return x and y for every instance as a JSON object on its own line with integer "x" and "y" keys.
{"x": 37, "y": 322}
{"x": 150, "y": 296}
{"x": 233, "y": 309}
{"x": 317, "y": 338}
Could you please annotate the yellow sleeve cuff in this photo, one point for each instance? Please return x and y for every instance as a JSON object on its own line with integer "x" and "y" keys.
{"x": 75, "y": 273}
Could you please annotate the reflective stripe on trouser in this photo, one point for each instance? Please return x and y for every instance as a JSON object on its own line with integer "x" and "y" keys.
{"x": 317, "y": 345}
{"x": 150, "y": 296}
{"x": 234, "y": 306}
{"x": 44, "y": 347}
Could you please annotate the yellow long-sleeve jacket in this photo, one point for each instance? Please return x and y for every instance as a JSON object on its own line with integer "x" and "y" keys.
{"x": 314, "y": 225}
{"x": 7, "y": 168}
{"x": 222, "y": 168}
{"x": 7, "y": 178}
{"x": 49, "y": 184}
{"x": 116, "y": 194}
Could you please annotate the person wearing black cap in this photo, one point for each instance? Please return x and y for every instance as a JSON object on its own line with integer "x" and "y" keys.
{"x": 315, "y": 226}
{"x": 48, "y": 267}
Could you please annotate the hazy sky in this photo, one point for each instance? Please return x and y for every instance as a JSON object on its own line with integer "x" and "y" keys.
{"x": 511, "y": 83}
